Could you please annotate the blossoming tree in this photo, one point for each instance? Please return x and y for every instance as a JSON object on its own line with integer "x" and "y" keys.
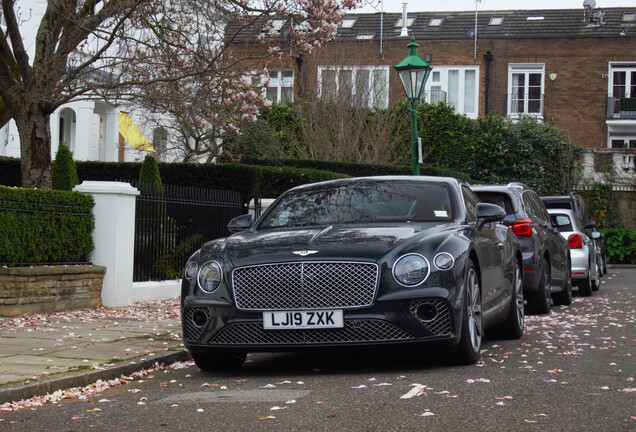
{"x": 123, "y": 49}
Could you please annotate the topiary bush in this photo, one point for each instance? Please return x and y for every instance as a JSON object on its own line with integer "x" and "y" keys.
{"x": 63, "y": 172}
{"x": 149, "y": 172}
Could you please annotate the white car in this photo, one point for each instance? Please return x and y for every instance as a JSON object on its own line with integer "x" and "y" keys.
{"x": 582, "y": 253}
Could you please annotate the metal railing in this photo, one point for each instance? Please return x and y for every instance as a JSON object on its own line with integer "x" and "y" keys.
{"x": 434, "y": 96}
{"x": 172, "y": 222}
{"x": 621, "y": 108}
{"x": 518, "y": 106}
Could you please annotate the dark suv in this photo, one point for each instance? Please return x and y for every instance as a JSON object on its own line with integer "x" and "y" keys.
{"x": 546, "y": 255}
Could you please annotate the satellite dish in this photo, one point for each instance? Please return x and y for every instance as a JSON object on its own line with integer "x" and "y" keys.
{"x": 589, "y": 4}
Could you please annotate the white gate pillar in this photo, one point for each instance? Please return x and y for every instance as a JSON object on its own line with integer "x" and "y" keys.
{"x": 113, "y": 236}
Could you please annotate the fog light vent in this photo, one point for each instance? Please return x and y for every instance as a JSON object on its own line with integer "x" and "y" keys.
{"x": 433, "y": 314}
{"x": 194, "y": 321}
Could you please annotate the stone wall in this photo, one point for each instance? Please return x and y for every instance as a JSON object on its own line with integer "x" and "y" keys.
{"x": 41, "y": 289}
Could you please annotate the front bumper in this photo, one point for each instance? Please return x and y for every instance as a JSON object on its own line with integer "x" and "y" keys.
{"x": 391, "y": 322}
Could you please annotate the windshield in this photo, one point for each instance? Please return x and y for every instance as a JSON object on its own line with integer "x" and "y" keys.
{"x": 360, "y": 202}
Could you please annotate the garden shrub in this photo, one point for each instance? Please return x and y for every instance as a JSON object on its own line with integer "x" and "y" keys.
{"x": 63, "y": 172}
{"x": 620, "y": 245}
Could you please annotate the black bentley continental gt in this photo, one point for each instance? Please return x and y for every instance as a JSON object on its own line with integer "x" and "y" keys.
{"x": 360, "y": 262}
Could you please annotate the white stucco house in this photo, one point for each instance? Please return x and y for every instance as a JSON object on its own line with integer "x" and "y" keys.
{"x": 90, "y": 128}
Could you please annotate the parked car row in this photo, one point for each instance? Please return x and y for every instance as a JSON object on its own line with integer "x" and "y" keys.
{"x": 378, "y": 261}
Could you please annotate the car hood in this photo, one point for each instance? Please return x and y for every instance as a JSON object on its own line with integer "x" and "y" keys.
{"x": 331, "y": 242}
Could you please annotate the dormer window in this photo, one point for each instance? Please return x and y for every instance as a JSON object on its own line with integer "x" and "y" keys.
{"x": 365, "y": 36}
{"x": 277, "y": 24}
{"x": 496, "y": 21}
{"x": 627, "y": 18}
{"x": 409, "y": 22}
{"x": 348, "y": 23}
{"x": 436, "y": 22}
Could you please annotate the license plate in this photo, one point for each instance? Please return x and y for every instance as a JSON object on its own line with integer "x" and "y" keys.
{"x": 316, "y": 319}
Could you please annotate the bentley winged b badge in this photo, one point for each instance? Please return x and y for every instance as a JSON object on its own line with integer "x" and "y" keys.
{"x": 305, "y": 252}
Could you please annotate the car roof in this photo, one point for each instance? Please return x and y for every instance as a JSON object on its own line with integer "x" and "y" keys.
{"x": 423, "y": 179}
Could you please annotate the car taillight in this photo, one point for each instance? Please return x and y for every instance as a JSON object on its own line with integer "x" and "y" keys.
{"x": 522, "y": 227}
{"x": 575, "y": 241}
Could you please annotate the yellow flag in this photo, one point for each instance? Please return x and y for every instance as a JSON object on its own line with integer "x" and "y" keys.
{"x": 133, "y": 135}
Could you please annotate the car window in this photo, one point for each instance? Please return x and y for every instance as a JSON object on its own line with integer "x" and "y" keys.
{"x": 530, "y": 206}
{"x": 373, "y": 201}
{"x": 581, "y": 204}
{"x": 539, "y": 207}
{"x": 471, "y": 200}
{"x": 559, "y": 204}
{"x": 501, "y": 199}
{"x": 562, "y": 222}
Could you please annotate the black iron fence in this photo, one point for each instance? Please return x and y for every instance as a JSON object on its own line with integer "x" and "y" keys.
{"x": 172, "y": 222}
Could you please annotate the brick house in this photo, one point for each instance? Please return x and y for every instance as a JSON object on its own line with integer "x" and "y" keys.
{"x": 575, "y": 68}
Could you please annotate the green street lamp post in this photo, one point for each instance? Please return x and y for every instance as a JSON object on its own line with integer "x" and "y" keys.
{"x": 413, "y": 72}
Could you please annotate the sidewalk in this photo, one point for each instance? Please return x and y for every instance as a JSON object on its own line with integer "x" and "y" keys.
{"x": 41, "y": 354}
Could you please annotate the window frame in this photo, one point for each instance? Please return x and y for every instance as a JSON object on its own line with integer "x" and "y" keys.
{"x": 443, "y": 85}
{"x": 525, "y": 69}
{"x": 279, "y": 85}
{"x": 371, "y": 85}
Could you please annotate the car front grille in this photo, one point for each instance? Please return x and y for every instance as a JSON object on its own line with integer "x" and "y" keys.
{"x": 305, "y": 285}
{"x": 252, "y": 333}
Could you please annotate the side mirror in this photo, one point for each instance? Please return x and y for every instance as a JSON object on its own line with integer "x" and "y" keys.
{"x": 487, "y": 212}
{"x": 596, "y": 235}
{"x": 589, "y": 224}
{"x": 240, "y": 223}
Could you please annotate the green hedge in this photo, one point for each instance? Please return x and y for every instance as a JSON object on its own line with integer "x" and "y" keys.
{"x": 357, "y": 169}
{"x": 45, "y": 226}
{"x": 276, "y": 180}
{"x": 249, "y": 180}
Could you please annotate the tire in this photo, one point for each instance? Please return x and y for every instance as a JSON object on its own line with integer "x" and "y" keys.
{"x": 219, "y": 362}
{"x": 604, "y": 264}
{"x": 468, "y": 350}
{"x": 585, "y": 286}
{"x": 564, "y": 298}
{"x": 596, "y": 280}
{"x": 512, "y": 328}
{"x": 540, "y": 301}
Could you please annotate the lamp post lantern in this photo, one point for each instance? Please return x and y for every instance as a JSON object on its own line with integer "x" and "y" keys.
{"x": 413, "y": 72}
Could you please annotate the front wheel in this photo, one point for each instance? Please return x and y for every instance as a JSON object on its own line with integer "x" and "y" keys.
{"x": 596, "y": 280}
{"x": 585, "y": 286}
{"x": 564, "y": 298}
{"x": 469, "y": 347}
{"x": 512, "y": 327}
{"x": 541, "y": 299}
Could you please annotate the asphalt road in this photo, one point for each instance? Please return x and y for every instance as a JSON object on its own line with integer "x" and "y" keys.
{"x": 573, "y": 370}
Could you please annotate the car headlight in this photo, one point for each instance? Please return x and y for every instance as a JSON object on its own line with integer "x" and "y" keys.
{"x": 411, "y": 270}
{"x": 191, "y": 269}
{"x": 444, "y": 261}
{"x": 210, "y": 276}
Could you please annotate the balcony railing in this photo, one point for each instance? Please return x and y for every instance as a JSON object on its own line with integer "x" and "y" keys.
{"x": 518, "y": 106}
{"x": 434, "y": 96}
{"x": 621, "y": 108}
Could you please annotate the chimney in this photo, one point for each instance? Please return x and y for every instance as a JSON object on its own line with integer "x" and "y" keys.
{"x": 405, "y": 31}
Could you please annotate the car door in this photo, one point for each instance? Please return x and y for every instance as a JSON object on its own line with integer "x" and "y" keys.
{"x": 490, "y": 247}
{"x": 554, "y": 243}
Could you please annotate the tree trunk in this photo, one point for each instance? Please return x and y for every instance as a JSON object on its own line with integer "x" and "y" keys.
{"x": 34, "y": 129}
